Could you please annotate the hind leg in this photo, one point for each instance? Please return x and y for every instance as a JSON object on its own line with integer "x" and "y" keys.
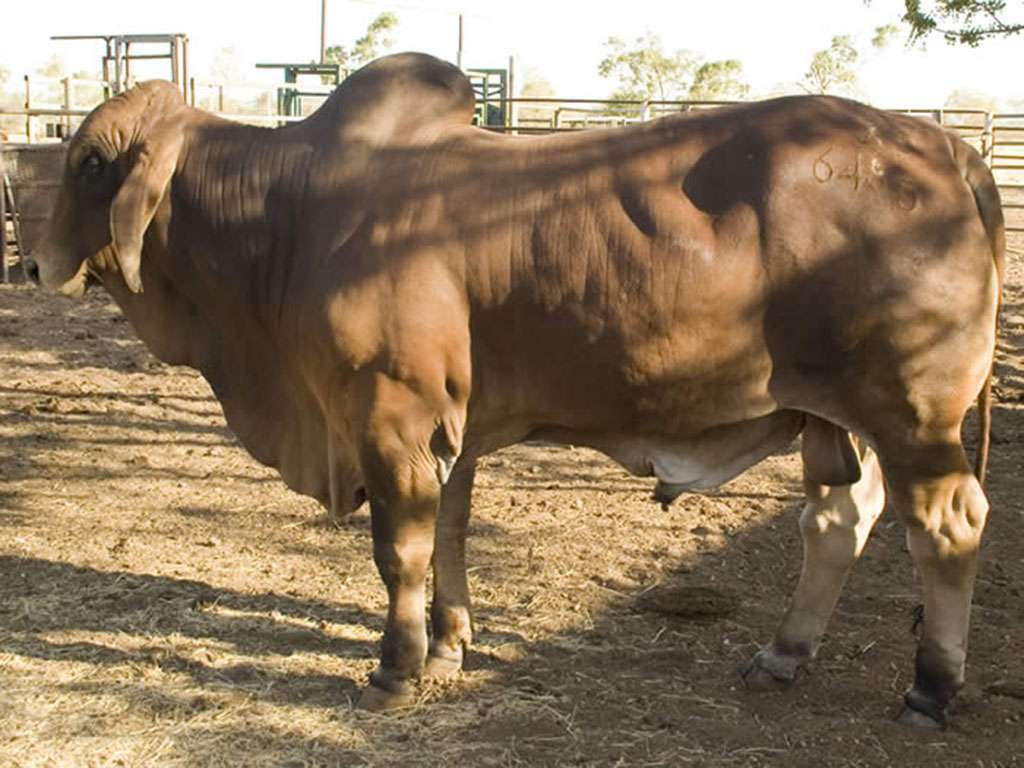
{"x": 944, "y": 510}
{"x": 835, "y": 526}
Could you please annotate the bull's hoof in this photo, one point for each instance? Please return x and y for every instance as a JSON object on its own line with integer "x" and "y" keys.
{"x": 922, "y": 711}
{"x": 442, "y": 667}
{"x": 913, "y": 718}
{"x": 374, "y": 699}
{"x": 770, "y": 671}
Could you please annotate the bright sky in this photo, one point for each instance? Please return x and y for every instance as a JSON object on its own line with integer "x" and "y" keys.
{"x": 563, "y": 41}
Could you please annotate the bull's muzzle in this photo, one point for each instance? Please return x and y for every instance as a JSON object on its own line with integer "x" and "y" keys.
{"x": 31, "y": 269}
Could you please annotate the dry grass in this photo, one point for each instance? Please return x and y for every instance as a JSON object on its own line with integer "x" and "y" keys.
{"x": 165, "y": 601}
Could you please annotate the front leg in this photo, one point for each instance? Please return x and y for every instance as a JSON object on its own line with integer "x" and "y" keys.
{"x": 404, "y": 486}
{"x": 403, "y": 540}
{"x": 450, "y": 617}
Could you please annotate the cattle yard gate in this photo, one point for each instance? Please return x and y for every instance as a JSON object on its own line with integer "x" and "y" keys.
{"x": 31, "y": 166}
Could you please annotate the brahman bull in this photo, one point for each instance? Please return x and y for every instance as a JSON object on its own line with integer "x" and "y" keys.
{"x": 383, "y": 293}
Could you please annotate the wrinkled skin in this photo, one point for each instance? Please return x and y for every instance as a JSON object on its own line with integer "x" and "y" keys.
{"x": 381, "y": 294}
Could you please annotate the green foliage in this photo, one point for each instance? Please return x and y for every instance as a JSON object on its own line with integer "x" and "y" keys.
{"x": 884, "y": 36}
{"x": 719, "y": 81}
{"x": 375, "y": 41}
{"x": 965, "y": 22}
{"x": 832, "y": 70}
{"x": 645, "y": 71}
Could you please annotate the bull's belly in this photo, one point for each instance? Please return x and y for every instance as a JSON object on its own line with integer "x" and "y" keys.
{"x": 694, "y": 462}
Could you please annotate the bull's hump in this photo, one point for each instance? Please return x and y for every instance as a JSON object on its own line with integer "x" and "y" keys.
{"x": 396, "y": 97}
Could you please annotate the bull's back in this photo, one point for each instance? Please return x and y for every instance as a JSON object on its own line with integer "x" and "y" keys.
{"x": 697, "y": 271}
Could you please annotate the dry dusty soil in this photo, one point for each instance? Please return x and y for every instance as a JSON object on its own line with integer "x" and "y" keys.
{"x": 165, "y": 601}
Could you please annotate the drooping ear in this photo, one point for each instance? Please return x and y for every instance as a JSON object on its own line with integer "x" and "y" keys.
{"x": 138, "y": 199}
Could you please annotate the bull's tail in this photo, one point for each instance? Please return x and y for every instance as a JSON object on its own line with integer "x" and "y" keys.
{"x": 986, "y": 195}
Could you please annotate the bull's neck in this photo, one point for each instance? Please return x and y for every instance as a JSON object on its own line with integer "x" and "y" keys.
{"x": 235, "y": 203}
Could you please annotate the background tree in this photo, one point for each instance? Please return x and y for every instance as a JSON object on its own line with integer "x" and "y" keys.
{"x": 884, "y": 36}
{"x": 645, "y": 71}
{"x": 966, "y": 22}
{"x": 372, "y": 44}
{"x": 719, "y": 81}
{"x": 971, "y": 98}
{"x": 226, "y": 66}
{"x": 54, "y": 67}
{"x": 833, "y": 70}
{"x": 535, "y": 86}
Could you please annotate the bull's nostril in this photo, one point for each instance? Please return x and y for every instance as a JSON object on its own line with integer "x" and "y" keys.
{"x": 32, "y": 270}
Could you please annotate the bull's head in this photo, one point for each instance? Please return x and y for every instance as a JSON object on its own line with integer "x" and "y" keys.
{"x": 118, "y": 169}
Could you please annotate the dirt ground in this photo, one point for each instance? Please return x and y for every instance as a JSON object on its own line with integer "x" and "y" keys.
{"x": 165, "y": 601}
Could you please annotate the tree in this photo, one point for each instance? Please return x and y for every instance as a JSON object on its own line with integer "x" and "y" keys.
{"x": 884, "y": 36}
{"x": 227, "y": 66}
{"x": 970, "y": 98}
{"x": 719, "y": 80}
{"x": 645, "y": 71}
{"x": 54, "y": 67}
{"x": 535, "y": 86}
{"x": 364, "y": 50}
{"x": 832, "y": 70}
{"x": 965, "y": 22}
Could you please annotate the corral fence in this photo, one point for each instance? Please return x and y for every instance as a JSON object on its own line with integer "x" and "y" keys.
{"x": 33, "y": 136}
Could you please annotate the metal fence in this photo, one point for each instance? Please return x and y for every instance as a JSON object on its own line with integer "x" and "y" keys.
{"x": 1006, "y": 159}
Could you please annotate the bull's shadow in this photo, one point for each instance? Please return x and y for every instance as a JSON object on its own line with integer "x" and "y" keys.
{"x": 87, "y": 333}
{"x": 39, "y": 597}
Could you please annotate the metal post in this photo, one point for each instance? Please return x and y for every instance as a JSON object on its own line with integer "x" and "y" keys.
{"x": 184, "y": 65}
{"x": 458, "y": 56}
{"x": 127, "y": 66}
{"x": 106, "y": 73}
{"x": 513, "y": 111}
{"x": 3, "y": 218}
{"x": 117, "y": 66}
{"x": 192, "y": 89}
{"x": 28, "y": 106}
{"x": 510, "y": 92}
{"x": 988, "y": 139}
{"x": 174, "y": 65}
{"x": 220, "y": 97}
{"x": 67, "y": 105}
{"x": 323, "y": 31}
{"x": 486, "y": 114}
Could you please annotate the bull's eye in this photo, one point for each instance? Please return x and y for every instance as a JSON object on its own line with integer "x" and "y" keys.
{"x": 92, "y": 165}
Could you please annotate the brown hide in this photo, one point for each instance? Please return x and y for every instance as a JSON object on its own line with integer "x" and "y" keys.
{"x": 630, "y": 289}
